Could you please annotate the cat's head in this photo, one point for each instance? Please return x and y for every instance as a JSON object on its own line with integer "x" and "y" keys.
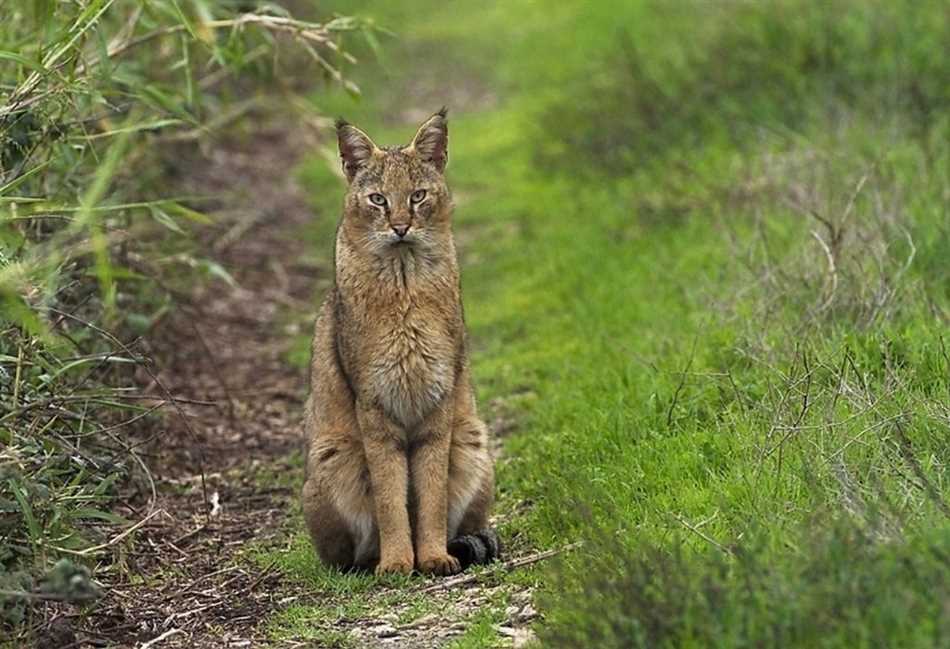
{"x": 397, "y": 196}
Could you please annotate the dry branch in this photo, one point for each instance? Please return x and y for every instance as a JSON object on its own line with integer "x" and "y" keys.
{"x": 158, "y": 639}
{"x": 507, "y": 566}
{"x": 114, "y": 540}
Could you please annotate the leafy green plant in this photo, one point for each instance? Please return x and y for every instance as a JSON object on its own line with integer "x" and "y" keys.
{"x": 95, "y": 97}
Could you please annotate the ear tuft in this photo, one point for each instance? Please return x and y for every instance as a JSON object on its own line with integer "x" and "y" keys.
{"x": 356, "y": 148}
{"x": 431, "y": 142}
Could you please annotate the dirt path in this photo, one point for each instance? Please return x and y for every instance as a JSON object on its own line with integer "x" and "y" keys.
{"x": 180, "y": 579}
{"x": 222, "y": 463}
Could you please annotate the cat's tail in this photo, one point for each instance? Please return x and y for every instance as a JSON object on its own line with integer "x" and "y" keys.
{"x": 476, "y": 549}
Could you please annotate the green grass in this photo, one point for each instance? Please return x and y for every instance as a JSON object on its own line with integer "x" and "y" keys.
{"x": 337, "y": 605}
{"x": 703, "y": 252}
{"x": 481, "y": 631}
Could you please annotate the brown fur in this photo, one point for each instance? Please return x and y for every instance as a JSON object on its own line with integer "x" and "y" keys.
{"x": 398, "y": 461}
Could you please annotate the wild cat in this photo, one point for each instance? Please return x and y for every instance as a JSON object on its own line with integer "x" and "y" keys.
{"x": 399, "y": 470}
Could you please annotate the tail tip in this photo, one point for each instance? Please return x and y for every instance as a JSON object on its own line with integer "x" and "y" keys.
{"x": 479, "y": 548}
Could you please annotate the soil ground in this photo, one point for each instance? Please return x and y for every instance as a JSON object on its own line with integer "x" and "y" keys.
{"x": 183, "y": 576}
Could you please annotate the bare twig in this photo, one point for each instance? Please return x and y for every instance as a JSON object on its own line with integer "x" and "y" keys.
{"x": 907, "y": 451}
{"x": 832, "y": 272}
{"x": 854, "y": 196}
{"x": 216, "y": 369}
{"x": 682, "y": 383}
{"x": 118, "y": 537}
{"x": 156, "y": 640}
{"x": 507, "y": 566}
{"x": 16, "y": 379}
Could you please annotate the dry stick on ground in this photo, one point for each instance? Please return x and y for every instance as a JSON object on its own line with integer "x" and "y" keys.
{"x": 194, "y": 583}
{"x": 507, "y": 566}
{"x": 85, "y": 552}
{"x": 264, "y": 574}
{"x": 120, "y": 536}
{"x": 156, "y": 640}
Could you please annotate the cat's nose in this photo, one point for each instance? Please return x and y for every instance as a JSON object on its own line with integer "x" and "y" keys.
{"x": 400, "y": 230}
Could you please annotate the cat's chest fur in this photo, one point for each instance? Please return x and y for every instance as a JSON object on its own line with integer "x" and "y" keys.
{"x": 407, "y": 346}
{"x": 410, "y": 367}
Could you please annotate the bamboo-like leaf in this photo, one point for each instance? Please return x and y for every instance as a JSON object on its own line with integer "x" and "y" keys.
{"x": 32, "y": 526}
{"x": 135, "y": 128}
{"x": 98, "y": 514}
{"x": 162, "y": 217}
{"x": 19, "y": 180}
{"x": 86, "y": 216}
{"x": 185, "y": 20}
{"x": 22, "y": 60}
{"x": 188, "y": 213}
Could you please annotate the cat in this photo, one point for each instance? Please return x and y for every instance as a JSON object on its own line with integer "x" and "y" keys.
{"x": 399, "y": 470}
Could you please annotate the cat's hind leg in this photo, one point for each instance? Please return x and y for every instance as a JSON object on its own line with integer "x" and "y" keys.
{"x": 330, "y": 534}
{"x": 471, "y": 494}
{"x": 338, "y": 505}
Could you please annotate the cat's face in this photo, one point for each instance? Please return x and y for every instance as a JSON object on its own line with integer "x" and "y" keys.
{"x": 397, "y": 196}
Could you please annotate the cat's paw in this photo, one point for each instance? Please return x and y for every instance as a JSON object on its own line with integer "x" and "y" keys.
{"x": 441, "y": 564}
{"x": 395, "y": 566}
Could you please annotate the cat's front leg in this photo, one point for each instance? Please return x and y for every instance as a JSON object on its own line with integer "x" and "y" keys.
{"x": 384, "y": 443}
{"x": 429, "y": 469}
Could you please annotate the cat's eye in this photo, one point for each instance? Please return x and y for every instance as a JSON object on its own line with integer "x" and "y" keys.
{"x": 418, "y": 196}
{"x": 377, "y": 199}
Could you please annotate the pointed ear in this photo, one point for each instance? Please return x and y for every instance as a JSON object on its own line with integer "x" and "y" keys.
{"x": 431, "y": 142}
{"x": 355, "y": 148}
